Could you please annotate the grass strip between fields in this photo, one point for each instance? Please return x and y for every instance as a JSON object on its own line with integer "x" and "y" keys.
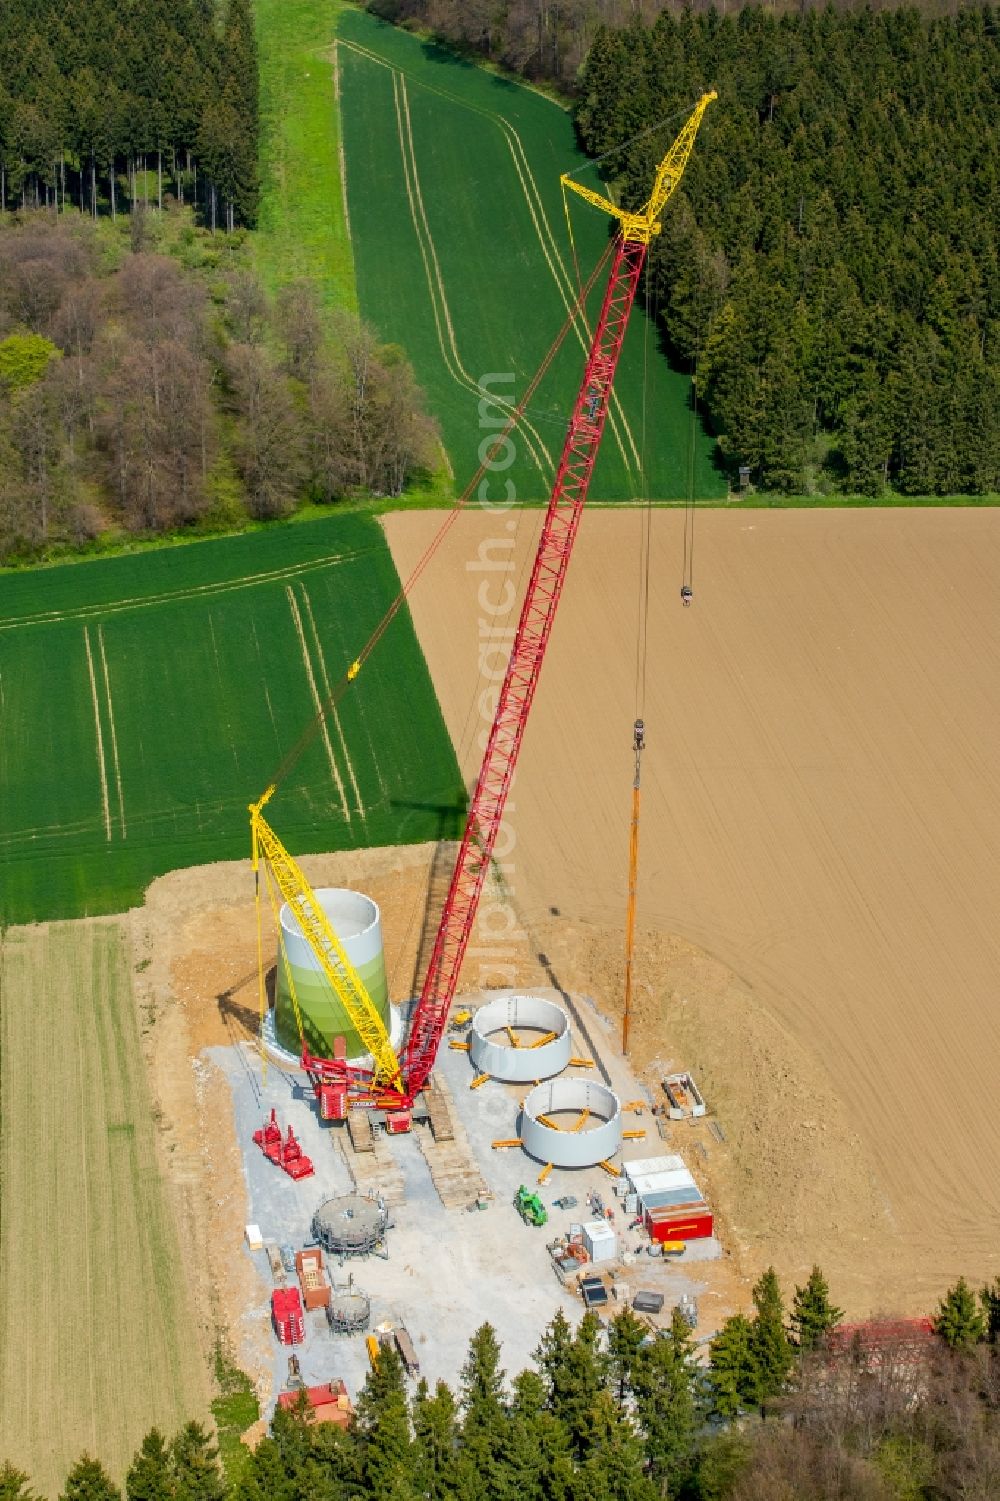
{"x": 302, "y": 228}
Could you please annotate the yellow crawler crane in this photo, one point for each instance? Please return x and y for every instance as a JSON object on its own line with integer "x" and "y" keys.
{"x": 343, "y": 978}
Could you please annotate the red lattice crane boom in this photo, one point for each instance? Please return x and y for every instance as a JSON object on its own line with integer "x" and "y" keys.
{"x": 555, "y": 546}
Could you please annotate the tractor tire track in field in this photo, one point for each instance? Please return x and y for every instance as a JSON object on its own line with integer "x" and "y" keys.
{"x": 335, "y": 62}
{"x": 620, "y": 426}
{"x": 101, "y": 764}
{"x": 616, "y": 412}
{"x": 318, "y": 702}
{"x": 335, "y": 712}
{"x": 435, "y": 280}
{"x": 193, "y": 591}
{"x": 111, "y": 727}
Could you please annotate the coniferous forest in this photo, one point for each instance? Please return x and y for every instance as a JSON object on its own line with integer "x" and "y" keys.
{"x": 828, "y": 271}
{"x": 105, "y": 102}
{"x": 790, "y": 1406}
{"x": 829, "y": 268}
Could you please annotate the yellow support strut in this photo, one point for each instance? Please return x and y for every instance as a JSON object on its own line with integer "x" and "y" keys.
{"x": 331, "y": 956}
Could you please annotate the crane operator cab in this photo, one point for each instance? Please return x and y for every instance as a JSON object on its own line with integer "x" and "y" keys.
{"x": 687, "y": 595}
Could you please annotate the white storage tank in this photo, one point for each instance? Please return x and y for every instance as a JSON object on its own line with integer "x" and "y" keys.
{"x": 600, "y": 1241}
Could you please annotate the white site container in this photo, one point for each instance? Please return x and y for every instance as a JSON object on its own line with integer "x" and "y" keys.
{"x": 600, "y": 1241}
{"x": 642, "y": 1167}
{"x": 656, "y": 1183}
{"x": 255, "y": 1240}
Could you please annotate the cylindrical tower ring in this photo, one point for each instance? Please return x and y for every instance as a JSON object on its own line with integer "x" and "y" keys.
{"x": 511, "y": 1061}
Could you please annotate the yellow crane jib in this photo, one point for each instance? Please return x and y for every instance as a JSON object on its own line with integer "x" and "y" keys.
{"x": 641, "y": 227}
{"x": 340, "y": 973}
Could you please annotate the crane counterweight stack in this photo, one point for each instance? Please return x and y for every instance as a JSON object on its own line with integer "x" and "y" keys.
{"x": 391, "y": 1083}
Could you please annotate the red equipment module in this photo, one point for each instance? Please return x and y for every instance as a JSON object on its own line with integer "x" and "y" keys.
{"x": 287, "y": 1316}
{"x": 286, "y": 1154}
{"x": 680, "y": 1222}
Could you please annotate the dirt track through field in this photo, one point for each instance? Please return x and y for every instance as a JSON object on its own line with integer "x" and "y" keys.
{"x": 821, "y": 813}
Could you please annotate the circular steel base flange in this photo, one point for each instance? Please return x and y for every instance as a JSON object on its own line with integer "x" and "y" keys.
{"x": 597, "y": 1139}
{"x": 522, "y": 1013}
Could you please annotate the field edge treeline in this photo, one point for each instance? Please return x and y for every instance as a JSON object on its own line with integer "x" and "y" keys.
{"x": 149, "y": 385}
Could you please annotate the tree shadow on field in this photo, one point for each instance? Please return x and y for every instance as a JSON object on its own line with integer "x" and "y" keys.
{"x": 451, "y": 54}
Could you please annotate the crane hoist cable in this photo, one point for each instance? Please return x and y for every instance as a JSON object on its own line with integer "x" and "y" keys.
{"x": 572, "y": 238}
{"x": 638, "y": 746}
{"x": 687, "y": 577}
{"x": 646, "y": 517}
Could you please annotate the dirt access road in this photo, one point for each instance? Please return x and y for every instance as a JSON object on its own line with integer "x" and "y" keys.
{"x": 821, "y": 817}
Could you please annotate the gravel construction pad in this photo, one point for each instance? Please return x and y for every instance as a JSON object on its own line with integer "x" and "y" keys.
{"x": 447, "y": 1271}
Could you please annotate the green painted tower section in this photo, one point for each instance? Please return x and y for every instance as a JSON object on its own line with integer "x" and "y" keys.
{"x": 357, "y": 922}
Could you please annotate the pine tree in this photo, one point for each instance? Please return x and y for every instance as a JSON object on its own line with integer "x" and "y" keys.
{"x": 666, "y": 1403}
{"x": 15, "y": 1485}
{"x": 813, "y": 1315}
{"x": 733, "y": 1378}
{"x": 989, "y": 1299}
{"x": 625, "y": 1336}
{"x": 150, "y": 1477}
{"x": 484, "y": 1415}
{"x": 769, "y": 1343}
{"x": 89, "y": 1481}
{"x": 195, "y": 1459}
{"x": 575, "y": 1371}
{"x": 435, "y": 1442}
{"x": 615, "y": 1467}
{"x": 959, "y": 1320}
{"x": 537, "y": 1464}
{"x": 382, "y": 1430}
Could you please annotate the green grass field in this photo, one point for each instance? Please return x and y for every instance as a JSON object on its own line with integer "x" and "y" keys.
{"x": 302, "y": 230}
{"x": 463, "y": 257}
{"x": 98, "y": 1339}
{"x": 147, "y": 699}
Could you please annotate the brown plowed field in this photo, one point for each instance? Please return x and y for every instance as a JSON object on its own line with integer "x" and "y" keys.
{"x": 821, "y": 816}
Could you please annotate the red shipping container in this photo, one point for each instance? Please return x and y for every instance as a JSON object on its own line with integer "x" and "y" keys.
{"x": 286, "y": 1315}
{"x": 688, "y": 1227}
